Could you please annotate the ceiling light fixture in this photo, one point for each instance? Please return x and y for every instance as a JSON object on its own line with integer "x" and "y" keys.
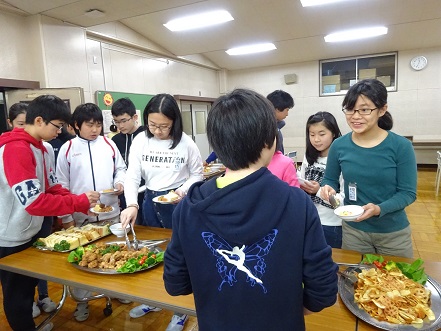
{"x": 94, "y": 13}
{"x": 309, "y": 3}
{"x": 250, "y": 49}
{"x": 356, "y": 34}
{"x": 199, "y": 20}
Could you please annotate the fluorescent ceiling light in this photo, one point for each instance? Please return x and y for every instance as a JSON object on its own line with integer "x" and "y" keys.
{"x": 257, "y": 48}
{"x": 199, "y": 20}
{"x": 308, "y": 3}
{"x": 356, "y": 34}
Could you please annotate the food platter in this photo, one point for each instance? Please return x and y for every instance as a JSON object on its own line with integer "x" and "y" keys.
{"x": 152, "y": 245}
{"x": 346, "y": 292}
{"x": 86, "y": 227}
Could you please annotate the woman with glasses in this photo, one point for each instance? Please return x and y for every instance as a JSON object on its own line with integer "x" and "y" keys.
{"x": 167, "y": 159}
{"x": 379, "y": 171}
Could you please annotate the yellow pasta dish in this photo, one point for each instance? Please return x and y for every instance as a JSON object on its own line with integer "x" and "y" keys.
{"x": 392, "y": 297}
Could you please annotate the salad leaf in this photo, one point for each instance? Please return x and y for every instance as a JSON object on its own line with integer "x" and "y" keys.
{"x": 142, "y": 262}
{"x": 63, "y": 245}
{"x": 76, "y": 255}
{"x": 38, "y": 243}
{"x": 413, "y": 271}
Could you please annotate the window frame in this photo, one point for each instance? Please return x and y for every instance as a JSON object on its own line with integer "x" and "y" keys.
{"x": 342, "y": 91}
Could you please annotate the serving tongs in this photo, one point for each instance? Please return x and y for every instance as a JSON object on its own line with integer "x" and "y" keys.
{"x": 135, "y": 241}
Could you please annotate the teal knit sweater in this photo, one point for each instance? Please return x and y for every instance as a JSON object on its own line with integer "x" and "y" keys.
{"x": 385, "y": 175}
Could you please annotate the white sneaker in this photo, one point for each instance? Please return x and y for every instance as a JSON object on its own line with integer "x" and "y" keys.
{"x": 177, "y": 323}
{"x": 82, "y": 312}
{"x": 35, "y": 310}
{"x": 47, "y": 305}
{"x": 142, "y": 310}
{"x": 48, "y": 327}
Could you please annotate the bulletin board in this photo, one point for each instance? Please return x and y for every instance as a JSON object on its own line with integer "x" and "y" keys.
{"x": 105, "y": 100}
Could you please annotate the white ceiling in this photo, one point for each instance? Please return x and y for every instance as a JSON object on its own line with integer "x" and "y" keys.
{"x": 297, "y": 32}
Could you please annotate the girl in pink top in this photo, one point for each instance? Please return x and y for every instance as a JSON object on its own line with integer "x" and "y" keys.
{"x": 283, "y": 167}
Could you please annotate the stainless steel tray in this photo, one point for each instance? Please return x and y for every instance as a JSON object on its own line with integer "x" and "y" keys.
{"x": 151, "y": 244}
{"x": 346, "y": 291}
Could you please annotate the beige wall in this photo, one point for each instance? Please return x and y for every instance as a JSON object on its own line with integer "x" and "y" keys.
{"x": 414, "y": 107}
{"x": 60, "y": 55}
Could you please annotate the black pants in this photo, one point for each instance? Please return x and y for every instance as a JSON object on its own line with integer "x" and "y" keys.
{"x": 18, "y": 293}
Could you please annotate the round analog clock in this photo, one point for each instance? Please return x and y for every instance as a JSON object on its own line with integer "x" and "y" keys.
{"x": 418, "y": 62}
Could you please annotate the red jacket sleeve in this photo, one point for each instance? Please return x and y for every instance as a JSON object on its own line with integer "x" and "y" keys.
{"x": 21, "y": 168}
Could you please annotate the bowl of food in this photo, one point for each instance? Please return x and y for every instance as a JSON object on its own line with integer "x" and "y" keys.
{"x": 349, "y": 212}
{"x": 117, "y": 229}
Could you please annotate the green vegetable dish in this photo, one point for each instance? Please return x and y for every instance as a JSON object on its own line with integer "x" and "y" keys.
{"x": 114, "y": 258}
{"x": 413, "y": 270}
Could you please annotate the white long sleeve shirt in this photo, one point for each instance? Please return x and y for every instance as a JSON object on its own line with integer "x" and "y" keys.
{"x": 84, "y": 165}
{"x": 162, "y": 168}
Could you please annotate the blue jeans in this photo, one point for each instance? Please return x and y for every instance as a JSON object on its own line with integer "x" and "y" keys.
{"x": 333, "y": 235}
{"x": 156, "y": 214}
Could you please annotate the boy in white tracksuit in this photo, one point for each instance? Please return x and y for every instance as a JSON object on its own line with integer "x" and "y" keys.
{"x": 94, "y": 161}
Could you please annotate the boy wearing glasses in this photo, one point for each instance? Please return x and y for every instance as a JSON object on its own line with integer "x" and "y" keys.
{"x": 126, "y": 120}
{"x": 30, "y": 189}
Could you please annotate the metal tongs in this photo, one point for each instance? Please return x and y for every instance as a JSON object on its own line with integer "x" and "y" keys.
{"x": 134, "y": 242}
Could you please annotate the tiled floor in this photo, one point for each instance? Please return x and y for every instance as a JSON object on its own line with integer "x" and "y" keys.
{"x": 424, "y": 215}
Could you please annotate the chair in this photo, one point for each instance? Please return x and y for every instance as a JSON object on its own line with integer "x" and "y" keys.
{"x": 438, "y": 171}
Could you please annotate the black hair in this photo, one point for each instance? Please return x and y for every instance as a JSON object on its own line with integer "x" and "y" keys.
{"x": 375, "y": 91}
{"x": 281, "y": 100}
{"x": 123, "y": 106}
{"x": 84, "y": 113}
{"x": 328, "y": 120}
{"x": 166, "y": 105}
{"x": 48, "y": 107}
{"x": 17, "y": 109}
{"x": 239, "y": 126}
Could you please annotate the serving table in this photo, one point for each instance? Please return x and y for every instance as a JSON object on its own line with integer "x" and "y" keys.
{"x": 147, "y": 287}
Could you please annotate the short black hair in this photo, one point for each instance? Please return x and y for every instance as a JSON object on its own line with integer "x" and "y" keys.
{"x": 375, "y": 91}
{"x": 86, "y": 112}
{"x": 123, "y": 106}
{"x": 165, "y": 104}
{"x": 239, "y": 126}
{"x": 48, "y": 107}
{"x": 328, "y": 120}
{"x": 17, "y": 109}
{"x": 281, "y": 100}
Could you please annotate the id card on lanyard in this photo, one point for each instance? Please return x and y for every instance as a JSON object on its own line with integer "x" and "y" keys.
{"x": 352, "y": 187}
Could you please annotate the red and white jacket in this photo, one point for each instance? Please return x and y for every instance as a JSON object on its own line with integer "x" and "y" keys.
{"x": 29, "y": 189}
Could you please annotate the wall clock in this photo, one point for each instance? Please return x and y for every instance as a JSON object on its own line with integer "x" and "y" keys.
{"x": 418, "y": 62}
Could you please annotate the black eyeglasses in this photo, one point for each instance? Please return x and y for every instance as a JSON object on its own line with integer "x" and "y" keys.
{"x": 123, "y": 121}
{"x": 162, "y": 128}
{"x": 59, "y": 127}
{"x": 364, "y": 111}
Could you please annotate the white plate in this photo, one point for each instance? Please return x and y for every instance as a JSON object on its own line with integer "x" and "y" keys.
{"x": 108, "y": 191}
{"x": 155, "y": 199}
{"x": 302, "y": 181}
{"x": 101, "y": 213}
{"x": 353, "y": 211}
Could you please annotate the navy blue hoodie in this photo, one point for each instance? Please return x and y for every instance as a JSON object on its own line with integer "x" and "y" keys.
{"x": 245, "y": 250}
